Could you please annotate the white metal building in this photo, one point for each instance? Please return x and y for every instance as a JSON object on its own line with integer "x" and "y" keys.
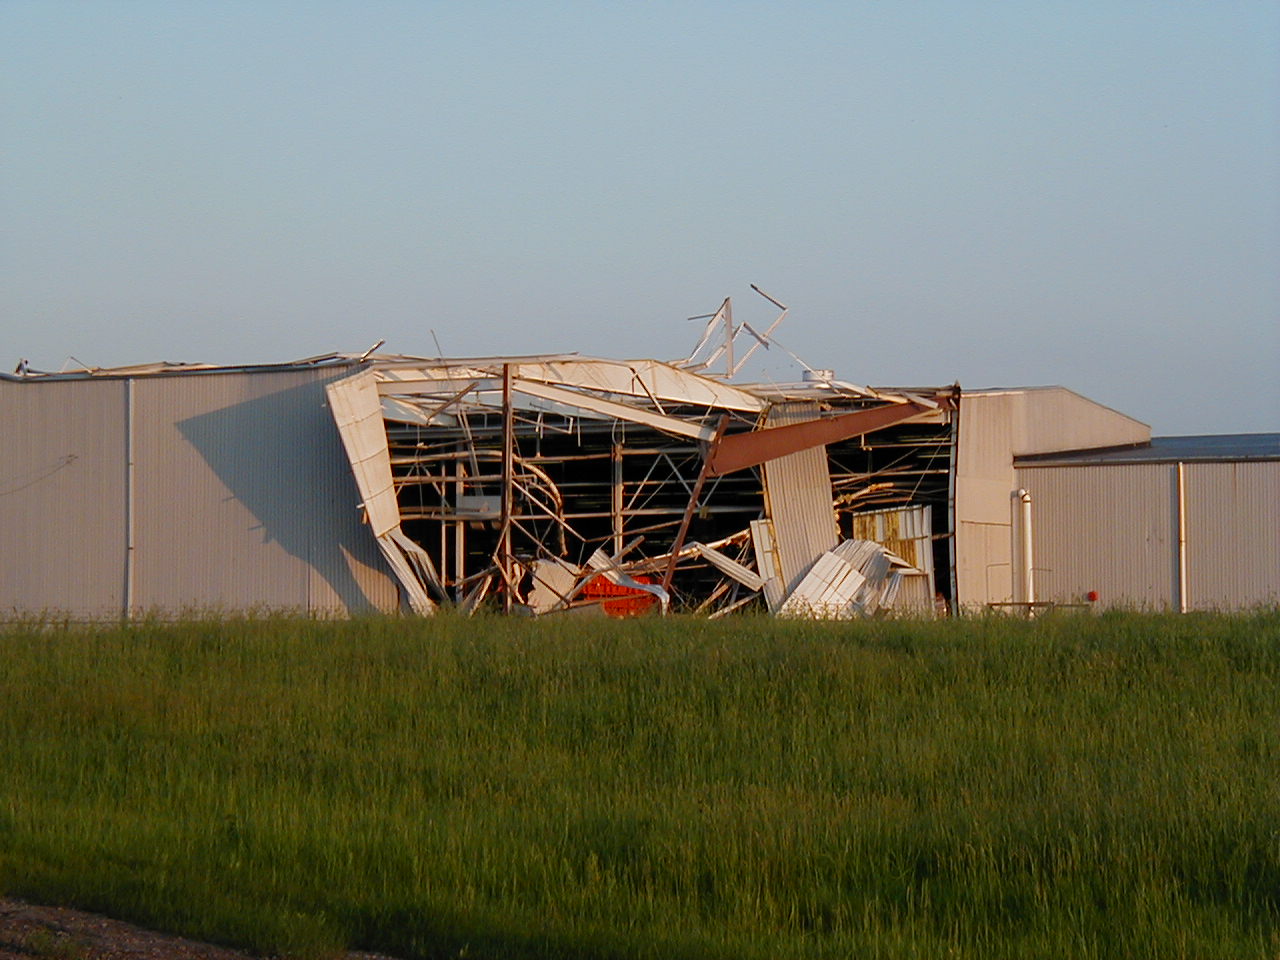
{"x": 996, "y": 426}
{"x": 342, "y": 484}
{"x": 1182, "y": 523}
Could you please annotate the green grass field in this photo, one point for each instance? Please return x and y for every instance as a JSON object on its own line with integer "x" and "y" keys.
{"x": 1077, "y": 786}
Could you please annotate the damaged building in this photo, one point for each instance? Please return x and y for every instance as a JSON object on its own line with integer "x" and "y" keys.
{"x": 562, "y": 483}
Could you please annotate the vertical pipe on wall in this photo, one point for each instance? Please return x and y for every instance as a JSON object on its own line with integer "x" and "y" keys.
{"x": 1022, "y": 563}
{"x": 1183, "y": 604}
{"x": 1028, "y": 556}
{"x": 128, "y": 499}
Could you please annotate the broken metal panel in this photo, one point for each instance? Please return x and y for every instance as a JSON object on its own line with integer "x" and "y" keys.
{"x": 799, "y": 500}
{"x": 910, "y": 464}
{"x": 553, "y": 579}
{"x": 402, "y": 411}
{"x": 854, "y": 578}
{"x": 357, "y": 412}
{"x": 730, "y": 568}
{"x": 906, "y": 531}
{"x": 610, "y": 570}
{"x": 399, "y": 560}
{"x": 618, "y": 411}
{"x": 425, "y": 401}
{"x": 826, "y": 591}
{"x": 766, "y": 552}
{"x": 535, "y": 397}
{"x": 642, "y": 379}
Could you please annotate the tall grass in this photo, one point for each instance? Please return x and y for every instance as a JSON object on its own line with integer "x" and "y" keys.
{"x": 1075, "y": 786}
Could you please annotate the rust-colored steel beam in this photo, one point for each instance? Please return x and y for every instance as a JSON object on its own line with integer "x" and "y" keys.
{"x": 738, "y": 451}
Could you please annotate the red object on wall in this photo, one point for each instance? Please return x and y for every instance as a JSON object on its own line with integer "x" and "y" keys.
{"x": 625, "y": 602}
{"x": 1092, "y": 596}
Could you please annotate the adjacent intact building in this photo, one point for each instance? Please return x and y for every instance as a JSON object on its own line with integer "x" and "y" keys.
{"x": 343, "y": 484}
{"x": 1180, "y": 523}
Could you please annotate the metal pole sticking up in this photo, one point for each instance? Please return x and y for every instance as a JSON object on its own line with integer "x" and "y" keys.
{"x": 678, "y": 544}
{"x": 508, "y": 463}
{"x": 729, "y": 334}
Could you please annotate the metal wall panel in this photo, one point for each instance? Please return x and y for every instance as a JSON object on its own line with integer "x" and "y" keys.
{"x": 1233, "y": 534}
{"x": 1052, "y": 419}
{"x": 62, "y": 498}
{"x": 906, "y": 531}
{"x": 996, "y": 426}
{"x": 1112, "y": 530}
{"x": 799, "y": 499}
{"x": 984, "y": 480}
{"x": 244, "y": 498}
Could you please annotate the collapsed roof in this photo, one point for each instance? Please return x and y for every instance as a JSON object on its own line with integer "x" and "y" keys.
{"x": 561, "y": 482}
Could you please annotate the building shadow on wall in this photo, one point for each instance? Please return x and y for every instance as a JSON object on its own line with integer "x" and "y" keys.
{"x": 281, "y": 456}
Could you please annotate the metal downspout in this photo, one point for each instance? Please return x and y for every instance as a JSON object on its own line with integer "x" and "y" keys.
{"x": 128, "y": 500}
{"x": 1028, "y": 557}
{"x": 1183, "y": 604}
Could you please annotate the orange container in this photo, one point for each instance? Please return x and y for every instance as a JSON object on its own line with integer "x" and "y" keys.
{"x": 617, "y": 600}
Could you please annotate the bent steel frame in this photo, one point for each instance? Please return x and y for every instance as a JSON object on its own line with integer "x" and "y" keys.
{"x": 566, "y": 483}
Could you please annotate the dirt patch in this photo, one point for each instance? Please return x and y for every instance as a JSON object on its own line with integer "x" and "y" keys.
{"x": 28, "y": 931}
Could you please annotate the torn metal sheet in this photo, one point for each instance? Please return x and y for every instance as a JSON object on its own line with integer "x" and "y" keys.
{"x": 357, "y": 413}
{"x": 851, "y": 580}
{"x": 798, "y": 499}
{"x": 766, "y": 551}
{"x": 608, "y": 568}
{"x": 619, "y": 411}
{"x": 905, "y": 531}
{"x": 729, "y": 567}
{"x": 553, "y": 580}
{"x": 353, "y": 401}
{"x": 642, "y": 379}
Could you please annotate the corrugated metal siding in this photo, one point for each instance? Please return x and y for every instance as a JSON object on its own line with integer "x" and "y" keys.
{"x": 994, "y": 427}
{"x": 244, "y": 498}
{"x": 984, "y": 481}
{"x": 799, "y": 499}
{"x": 1109, "y": 529}
{"x": 1233, "y": 534}
{"x": 62, "y": 497}
{"x": 907, "y": 531}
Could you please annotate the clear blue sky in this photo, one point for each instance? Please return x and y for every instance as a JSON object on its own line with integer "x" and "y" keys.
{"x": 1083, "y": 193}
